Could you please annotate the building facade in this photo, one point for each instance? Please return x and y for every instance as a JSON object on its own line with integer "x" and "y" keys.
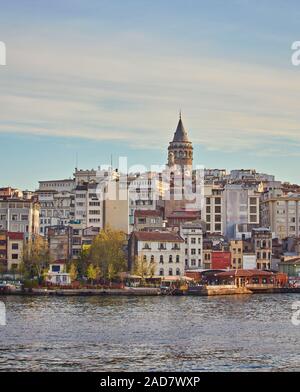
{"x": 165, "y": 249}
{"x": 192, "y": 233}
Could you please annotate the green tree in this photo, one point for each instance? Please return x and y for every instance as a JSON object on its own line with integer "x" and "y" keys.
{"x": 83, "y": 262}
{"x": 143, "y": 268}
{"x": 73, "y": 271}
{"x": 107, "y": 253}
{"x": 36, "y": 256}
{"x": 91, "y": 273}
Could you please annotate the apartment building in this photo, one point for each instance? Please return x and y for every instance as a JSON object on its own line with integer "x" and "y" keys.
{"x": 15, "y": 243}
{"x": 281, "y": 212}
{"x": 213, "y": 208}
{"x": 240, "y": 206}
{"x": 236, "y": 249}
{"x": 262, "y": 245}
{"x": 89, "y": 205}
{"x": 20, "y": 215}
{"x": 192, "y": 233}
{"x": 57, "y": 203}
{"x": 11, "y": 250}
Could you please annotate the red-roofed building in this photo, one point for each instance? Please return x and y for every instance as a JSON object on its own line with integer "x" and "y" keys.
{"x": 163, "y": 248}
{"x": 177, "y": 218}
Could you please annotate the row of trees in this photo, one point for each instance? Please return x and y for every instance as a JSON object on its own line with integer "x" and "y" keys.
{"x": 104, "y": 259}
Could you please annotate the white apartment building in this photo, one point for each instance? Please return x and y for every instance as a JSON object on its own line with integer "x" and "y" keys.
{"x": 281, "y": 212}
{"x": 89, "y": 205}
{"x": 240, "y": 206}
{"x": 57, "y": 203}
{"x": 145, "y": 193}
{"x": 164, "y": 248}
{"x": 192, "y": 234}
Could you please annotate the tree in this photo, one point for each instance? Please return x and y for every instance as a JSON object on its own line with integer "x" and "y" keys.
{"x": 73, "y": 272}
{"x": 36, "y": 256}
{"x": 143, "y": 269}
{"x": 83, "y": 262}
{"x": 107, "y": 252}
{"x": 92, "y": 273}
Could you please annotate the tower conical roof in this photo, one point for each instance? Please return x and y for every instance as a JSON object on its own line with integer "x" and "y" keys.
{"x": 180, "y": 134}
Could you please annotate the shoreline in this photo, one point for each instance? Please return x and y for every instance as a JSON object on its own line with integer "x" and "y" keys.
{"x": 211, "y": 291}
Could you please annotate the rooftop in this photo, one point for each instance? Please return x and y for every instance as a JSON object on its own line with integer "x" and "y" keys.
{"x": 159, "y": 236}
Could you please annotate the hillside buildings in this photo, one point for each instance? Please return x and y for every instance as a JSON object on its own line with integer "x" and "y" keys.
{"x": 180, "y": 217}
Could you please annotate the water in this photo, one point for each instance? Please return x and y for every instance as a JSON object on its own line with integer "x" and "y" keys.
{"x": 241, "y": 333}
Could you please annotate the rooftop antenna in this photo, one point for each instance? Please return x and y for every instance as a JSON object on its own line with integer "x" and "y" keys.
{"x": 76, "y": 161}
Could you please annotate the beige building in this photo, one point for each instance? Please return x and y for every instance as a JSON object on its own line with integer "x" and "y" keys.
{"x": 15, "y": 243}
{"x": 236, "y": 249}
{"x": 213, "y": 209}
{"x": 116, "y": 206}
{"x": 20, "y": 215}
{"x": 281, "y": 212}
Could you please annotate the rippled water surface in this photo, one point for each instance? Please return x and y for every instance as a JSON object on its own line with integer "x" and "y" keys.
{"x": 150, "y": 333}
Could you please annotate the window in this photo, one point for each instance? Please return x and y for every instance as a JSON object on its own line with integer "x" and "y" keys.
{"x": 193, "y": 251}
{"x": 217, "y": 218}
{"x": 177, "y": 259}
{"x": 177, "y": 271}
{"x": 217, "y": 209}
{"x": 161, "y": 272}
{"x": 15, "y": 256}
{"x": 253, "y": 201}
{"x": 208, "y": 200}
{"x": 15, "y": 246}
{"x": 207, "y": 218}
{"x": 253, "y": 210}
{"x": 170, "y": 259}
{"x": 161, "y": 259}
{"x": 170, "y": 271}
{"x": 14, "y": 217}
{"x": 152, "y": 259}
{"x": 217, "y": 200}
{"x": 208, "y": 209}
{"x": 193, "y": 240}
{"x": 145, "y": 258}
{"x": 218, "y": 227}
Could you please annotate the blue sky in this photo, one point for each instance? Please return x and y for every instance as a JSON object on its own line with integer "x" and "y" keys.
{"x": 96, "y": 78}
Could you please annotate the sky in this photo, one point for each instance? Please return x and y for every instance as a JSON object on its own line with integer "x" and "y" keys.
{"x": 87, "y": 80}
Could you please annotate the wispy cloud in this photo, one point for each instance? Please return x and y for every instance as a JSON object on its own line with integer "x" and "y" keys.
{"x": 122, "y": 90}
